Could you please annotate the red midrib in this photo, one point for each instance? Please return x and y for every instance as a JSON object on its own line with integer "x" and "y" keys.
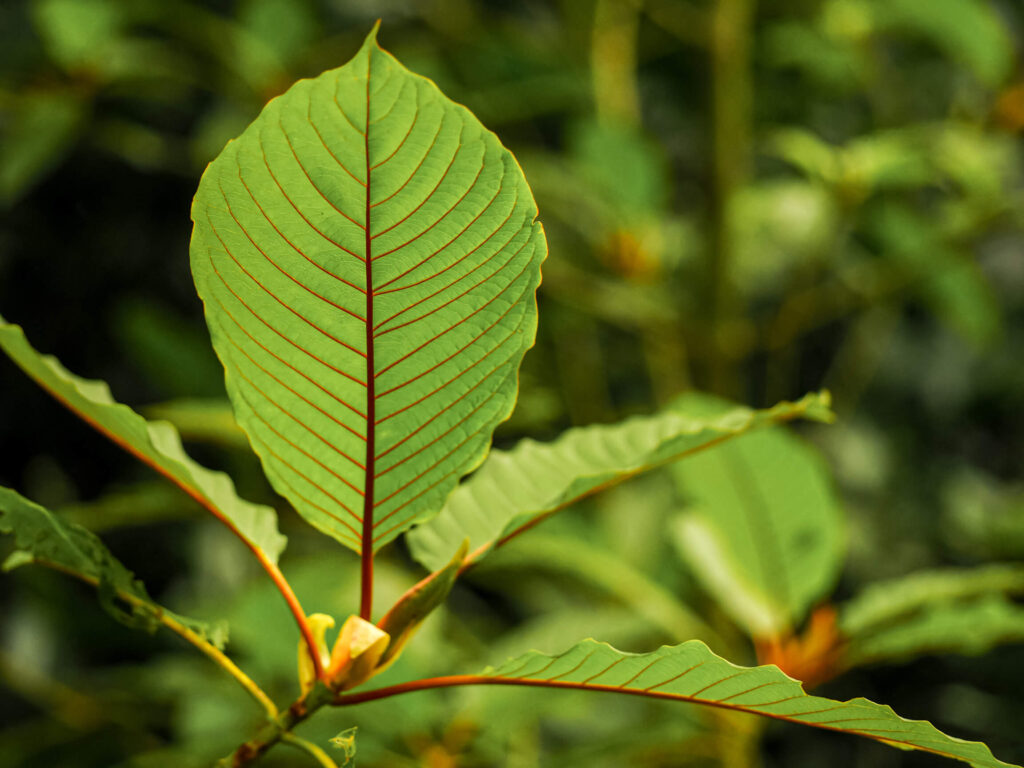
{"x": 366, "y": 550}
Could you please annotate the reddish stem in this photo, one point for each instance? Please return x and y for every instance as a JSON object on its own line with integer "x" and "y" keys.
{"x": 366, "y": 551}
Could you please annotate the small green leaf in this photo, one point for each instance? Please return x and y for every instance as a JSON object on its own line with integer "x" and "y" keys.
{"x": 515, "y": 489}
{"x": 43, "y": 538}
{"x": 402, "y": 621}
{"x": 946, "y": 611}
{"x": 969, "y": 627}
{"x": 156, "y": 443}
{"x": 367, "y": 254}
{"x": 691, "y": 672}
{"x": 346, "y": 742}
{"x": 764, "y": 530}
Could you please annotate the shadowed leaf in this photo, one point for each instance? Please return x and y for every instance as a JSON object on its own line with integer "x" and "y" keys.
{"x": 43, "y": 538}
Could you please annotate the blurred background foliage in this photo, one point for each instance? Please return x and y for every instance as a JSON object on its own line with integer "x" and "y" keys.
{"x": 752, "y": 199}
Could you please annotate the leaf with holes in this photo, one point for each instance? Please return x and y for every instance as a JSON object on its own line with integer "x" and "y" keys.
{"x": 691, "y": 672}
{"x": 367, "y": 253}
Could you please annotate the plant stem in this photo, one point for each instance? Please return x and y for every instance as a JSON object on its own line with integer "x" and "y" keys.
{"x": 731, "y": 94}
{"x": 293, "y": 605}
{"x": 309, "y": 747}
{"x": 209, "y": 649}
{"x": 279, "y": 729}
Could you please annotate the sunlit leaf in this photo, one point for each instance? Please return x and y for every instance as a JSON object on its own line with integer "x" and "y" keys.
{"x": 515, "y": 489}
{"x": 368, "y": 253}
{"x": 46, "y": 539}
{"x": 763, "y": 532}
{"x": 691, "y": 672}
{"x": 156, "y": 443}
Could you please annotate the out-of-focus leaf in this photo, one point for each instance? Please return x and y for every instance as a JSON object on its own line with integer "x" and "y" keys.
{"x": 983, "y": 517}
{"x": 174, "y": 355}
{"x": 209, "y": 420}
{"x": 779, "y": 225}
{"x": 968, "y": 31}
{"x": 78, "y": 33}
{"x": 691, "y": 672}
{"x": 516, "y": 489}
{"x": 969, "y": 627}
{"x": 950, "y": 281}
{"x": 41, "y": 129}
{"x": 141, "y": 504}
{"x": 42, "y": 537}
{"x": 288, "y": 27}
{"x": 367, "y": 253}
{"x": 618, "y": 163}
{"x": 894, "y": 600}
{"x": 764, "y": 531}
{"x": 156, "y": 443}
{"x": 648, "y": 600}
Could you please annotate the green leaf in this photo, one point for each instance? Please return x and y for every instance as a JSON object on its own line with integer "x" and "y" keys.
{"x": 887, "y": 601}
{"x": 367, "y": 254}
{"x": 691, "y": 672}
{"x": 44, "y": 538}
{"x": 206, "y": 420}
{"x": 970, "y": 31}
{"x": 39, "y": 131}
{"x": 969, "y": 627}
{"x": 516, "y": 489}
{"x": 764, "y": 530}
{"x": 156, "y": 443}
{"x": 645, "y": 598}
{"x": 405, "y": 617}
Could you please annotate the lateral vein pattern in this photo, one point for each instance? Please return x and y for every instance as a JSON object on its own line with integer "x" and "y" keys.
{"x": 367, "y": 254}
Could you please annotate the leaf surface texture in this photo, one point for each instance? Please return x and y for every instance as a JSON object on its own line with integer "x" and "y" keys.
{"x": 516, "y": 488}
{"x": 367, "y": 253}
{"x": 691, "y": 672}
{"x": 156, "y": 443}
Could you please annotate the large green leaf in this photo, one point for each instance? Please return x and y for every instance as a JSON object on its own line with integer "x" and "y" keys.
{"x": 948, "y": 611}
{"x": 44, "y": 538}
{"x": 763, "y": 533}
{"x": 155, "y": 442}
{"x": 691, "y": 672}
{"x": 515, "y": 489}
{"x": 368, "y": 254}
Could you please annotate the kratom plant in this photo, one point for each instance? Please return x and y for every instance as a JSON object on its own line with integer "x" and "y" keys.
{"x": 367, "y": 254}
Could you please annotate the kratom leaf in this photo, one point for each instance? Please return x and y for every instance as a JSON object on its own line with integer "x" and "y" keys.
{"x": 764, "y": 532}
{"x": 949, "y": 611}
{"x": 892, "y": 600}
{"x": 968, "y": 627}
{"x": 154, "y": 442}
{"x": 44, "y": 538}
{"x": 367, "y": 254}
{"x": 691, "y": 672}
{"x": 644, "y": 597}
{"x": 515, "y": 489}
{"x": 412, "y": 608}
